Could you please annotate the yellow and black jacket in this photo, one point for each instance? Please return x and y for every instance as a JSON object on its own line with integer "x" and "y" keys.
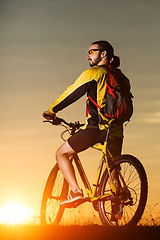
{"x": 93, "y": 82}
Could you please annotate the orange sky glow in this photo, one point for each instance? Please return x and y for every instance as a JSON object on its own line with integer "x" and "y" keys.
{"x": 43, "y": 49}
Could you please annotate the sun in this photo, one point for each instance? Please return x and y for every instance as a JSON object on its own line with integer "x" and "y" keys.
{"x": 14, "y": 213}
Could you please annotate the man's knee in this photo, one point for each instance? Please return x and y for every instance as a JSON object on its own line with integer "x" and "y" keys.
{"x": 60, "y": 153}
{"x": 64, "y": 151}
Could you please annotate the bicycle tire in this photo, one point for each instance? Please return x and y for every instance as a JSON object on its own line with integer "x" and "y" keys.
{"x": 136, "y": 180}
{"x": 56, "y": 189}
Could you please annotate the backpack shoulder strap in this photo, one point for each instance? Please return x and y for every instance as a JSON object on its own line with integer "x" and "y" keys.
{"x": 94, "y": 102}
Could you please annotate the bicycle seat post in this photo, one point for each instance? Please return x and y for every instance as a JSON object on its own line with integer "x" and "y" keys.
{"x": 108, "y": 132}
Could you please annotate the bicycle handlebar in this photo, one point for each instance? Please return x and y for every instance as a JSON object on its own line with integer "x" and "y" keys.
{"x": 58, "y": 121}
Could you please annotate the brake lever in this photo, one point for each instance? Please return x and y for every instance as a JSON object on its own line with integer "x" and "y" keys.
{"x": 56, "y": 121}
{"x": 47, "y": 121}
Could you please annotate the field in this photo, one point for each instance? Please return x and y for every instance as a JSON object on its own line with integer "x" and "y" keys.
{"x": 38, "y": 232}
{"x": 81, "y": 225}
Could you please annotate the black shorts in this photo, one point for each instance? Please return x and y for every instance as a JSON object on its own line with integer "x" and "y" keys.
{"x": 83, "y": 139}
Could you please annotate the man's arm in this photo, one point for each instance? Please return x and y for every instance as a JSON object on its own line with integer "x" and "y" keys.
{"x": 75, "y": 91}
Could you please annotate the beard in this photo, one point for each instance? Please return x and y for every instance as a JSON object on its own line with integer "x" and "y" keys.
{"x": 95, "y": 61}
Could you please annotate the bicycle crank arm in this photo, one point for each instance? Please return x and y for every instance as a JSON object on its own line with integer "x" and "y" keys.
{"x": 75, "y": 204}
{"x": 108, "y": 198}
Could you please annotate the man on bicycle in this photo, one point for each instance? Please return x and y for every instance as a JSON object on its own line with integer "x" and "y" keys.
{"x": 93, "y": 83}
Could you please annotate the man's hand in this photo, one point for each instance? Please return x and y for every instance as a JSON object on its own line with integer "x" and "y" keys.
{"x": 48, "y": 115}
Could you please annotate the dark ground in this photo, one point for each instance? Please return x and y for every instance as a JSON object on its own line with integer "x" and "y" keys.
{"x": 38, "y": 232}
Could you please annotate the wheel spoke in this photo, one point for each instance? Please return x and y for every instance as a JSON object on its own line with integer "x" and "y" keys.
{"x": 55, "y": 190}
{"x": 132, "y": 176}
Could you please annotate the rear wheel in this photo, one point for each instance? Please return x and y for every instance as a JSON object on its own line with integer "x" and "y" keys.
{"x": 133, "y": 195}
{"x": 56, "y": 189}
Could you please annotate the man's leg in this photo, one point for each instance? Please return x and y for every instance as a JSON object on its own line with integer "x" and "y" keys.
{"x": 65, "y": 165}
{"x": 115, "y": 147}
{"x": 79, "y": 142}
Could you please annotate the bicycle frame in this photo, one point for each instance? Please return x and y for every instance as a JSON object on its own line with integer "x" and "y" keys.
{"x": 105, "y": 157}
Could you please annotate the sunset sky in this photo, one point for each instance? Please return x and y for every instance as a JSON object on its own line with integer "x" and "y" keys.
{"x": 43, "y": 48}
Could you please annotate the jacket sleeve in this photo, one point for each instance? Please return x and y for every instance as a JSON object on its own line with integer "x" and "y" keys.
{"x": 80, "y": 87}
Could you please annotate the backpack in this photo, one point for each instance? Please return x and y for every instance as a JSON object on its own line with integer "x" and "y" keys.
{"x": 118, "y": 98}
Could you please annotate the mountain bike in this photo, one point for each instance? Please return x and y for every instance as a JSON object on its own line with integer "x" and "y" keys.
{"x": 129, "y": 200}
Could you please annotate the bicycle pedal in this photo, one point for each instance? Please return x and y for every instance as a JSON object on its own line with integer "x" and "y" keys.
{"x": 74, "y": 204}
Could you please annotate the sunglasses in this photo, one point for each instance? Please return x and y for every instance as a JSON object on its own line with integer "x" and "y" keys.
{"x": 91, "y": 51}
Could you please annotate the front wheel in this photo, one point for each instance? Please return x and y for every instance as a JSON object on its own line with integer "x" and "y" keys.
{"x": 134, "y": 190}
{"x": 56, "y": 189}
